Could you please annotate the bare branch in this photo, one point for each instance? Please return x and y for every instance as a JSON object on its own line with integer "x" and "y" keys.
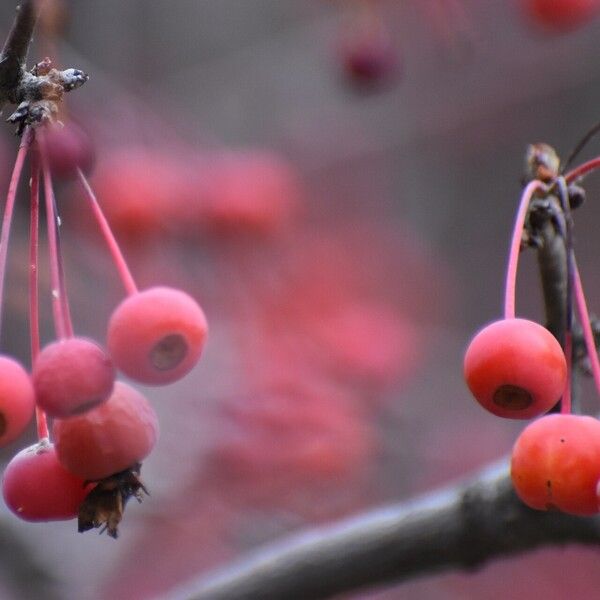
{"x": 16, "y": 47}
{"x": 460, "y": 526}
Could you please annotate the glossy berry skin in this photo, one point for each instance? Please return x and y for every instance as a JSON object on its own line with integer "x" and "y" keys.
{"x": 37, "y": 488}
{"x": 560, "y": 15}
{"x": 72, "y": 376}
{"x": 515, "y": 368}
{"x": 556, "y": 464}
{"x": 156, "y": 336}
{"x": 17, "y": 400}
{"x": 110, "y": 438}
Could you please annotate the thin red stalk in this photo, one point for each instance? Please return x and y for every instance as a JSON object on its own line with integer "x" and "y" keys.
{"x": 64, "y": 298}
{"x": 588, "y": 335}
{"x": 62, "y": 320}
{"x": 9, "y": 209}
{"x": 34, "y": 319}
{"x": 515, "y": 247}
{"x": 565, "y": 401}
{"x": 583, "y": 169}
{"x": 111, "y": 242}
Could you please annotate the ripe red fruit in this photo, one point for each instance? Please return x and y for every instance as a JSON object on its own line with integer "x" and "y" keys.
{"x": 72, "y": 376}
{"x": 68, "y": 148}
{"x": 110, "y": 438}
{"x": 156, "y": 336}
{"x": 37, "y": 488}
{"x": 252, "y": 192}
{"x": 369, "y": 58}
{"x": 140, "y": 190}
{"x": 515, "y": 368}
{"x": 556, "y": 464}
{"x": 17, "y": 400}
{"x": 561, "y": 14}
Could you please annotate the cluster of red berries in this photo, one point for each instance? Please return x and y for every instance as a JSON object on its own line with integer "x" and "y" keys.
{"x": 151, "y": 192}
{"x": 516, "y": 368}
{"x": 102, "y": 428}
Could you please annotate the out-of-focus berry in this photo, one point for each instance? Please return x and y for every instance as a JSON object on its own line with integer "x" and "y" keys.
{"x": 110, "y": 438}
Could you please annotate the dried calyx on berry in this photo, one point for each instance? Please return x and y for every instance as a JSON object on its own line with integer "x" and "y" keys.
{"x": 103, "y": 507}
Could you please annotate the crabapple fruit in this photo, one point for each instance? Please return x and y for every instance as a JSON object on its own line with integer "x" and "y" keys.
{"x": 561, "y": 14}
{"x": 72, "y": 376}
{"x": 17, "y": 399}
{"x": 109, "y": 438}
{"x": 140, "y": 191}
{"x": 156, "y": 336}
{"x": 369, "y": 58}
{"x": 68, "y": 148}
{"x": 515, "y": 368}
{"x": 36, "y": 487}
{"x": 250, "y": 192}
{"x": 556, "y": 464}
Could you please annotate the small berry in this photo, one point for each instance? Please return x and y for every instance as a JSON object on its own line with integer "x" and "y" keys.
{"x": 369, "y": 59}
{"x": 17, "y": 400}
{"x": 561, "y": 15}
{"x": 556, "y": 464}
{"x": 515, "y": 368}
{"x": 250, "y": 192}
{"x": 37, "y": 488}
{"x": 156, "y": 336}
{"x": 72, "y": 376}
{"x": 68, "y": 148}
{"x": 140, "y": 191}
{"x": 110, "y": 438}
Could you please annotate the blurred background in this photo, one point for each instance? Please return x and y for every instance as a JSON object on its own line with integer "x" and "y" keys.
{"x": 335, "y": 183}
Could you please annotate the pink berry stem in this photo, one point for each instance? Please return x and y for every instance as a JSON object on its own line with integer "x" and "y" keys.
{"x": 34, "y": 317}
{"x": 565, "y": 401}
{"x": 583, "y": 169}
{"x": 9, "y": 208}
{"x": 60, "y": 305}
{"x": 515, "y": 247}
{"x": 588, "y": 335}
{"x": 111, "y": 242}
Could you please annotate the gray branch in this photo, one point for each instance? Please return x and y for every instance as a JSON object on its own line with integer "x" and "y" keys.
{"x": 16, "y": 47}
{"x": 457, "y": 527}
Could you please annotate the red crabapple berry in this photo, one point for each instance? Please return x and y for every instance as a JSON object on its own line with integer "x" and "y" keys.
{"x": 36, "y": 487}
{"x": 369, "y": 58}
{"x": 156, "y": 336}
{"x": 110, "y": 438}
{"x": 556, "y": 464}
{"x": 17, "y": 400}
{"x": 250, "y": 192}
{"x": 561, "y": 15}
{"x": 68, "y": 148}
{"x": 71, "y": 376}
{"x": 515, "y": 368}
